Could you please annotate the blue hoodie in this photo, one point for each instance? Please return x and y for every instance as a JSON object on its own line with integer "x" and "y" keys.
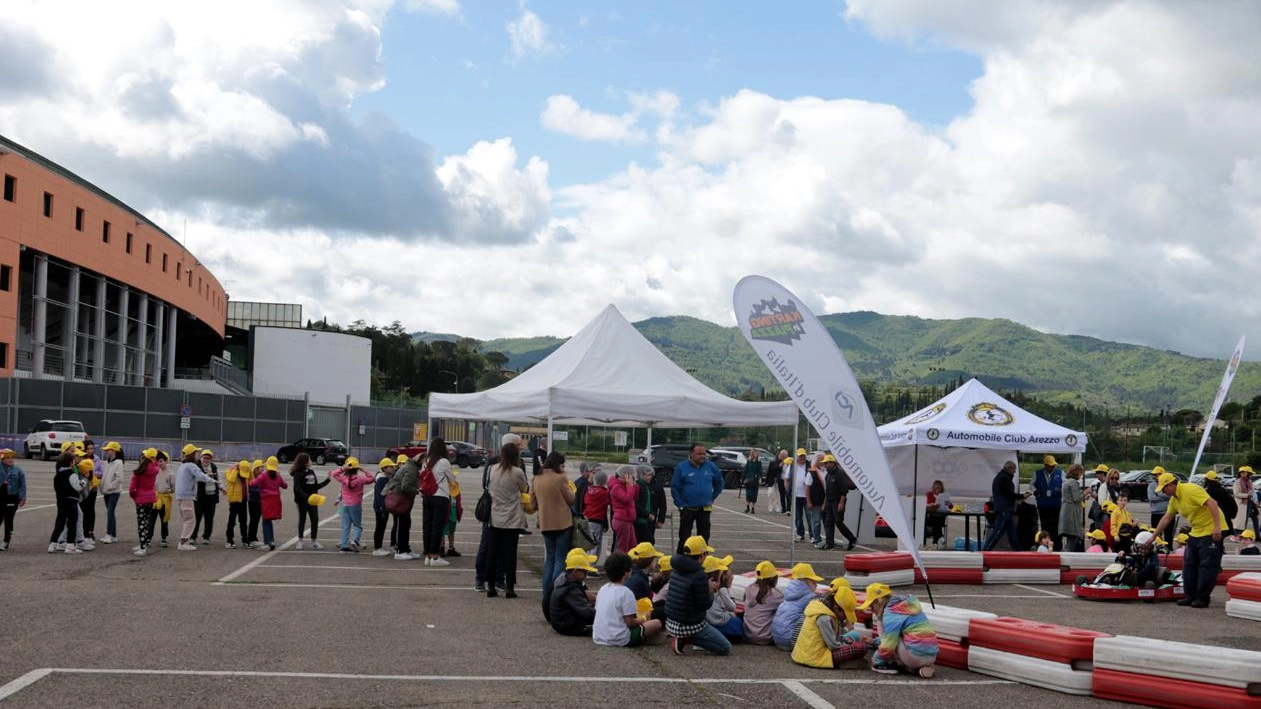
{"x": 790, "y": 614}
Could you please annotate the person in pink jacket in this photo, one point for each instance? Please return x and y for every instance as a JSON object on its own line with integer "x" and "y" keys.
{"x": 623, "y": 490}
{"x": 143, "y": 491}
{"x": 352, "y": 480}
{"x": 269, "y": 485}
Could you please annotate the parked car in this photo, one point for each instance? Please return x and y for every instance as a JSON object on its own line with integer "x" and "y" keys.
{"x": 1226, "y": 478}
{"x": 1134, "y": 483}
{"x": 467, "y": 455}
{"x": 48, "y": 436}
{"x": 411, "y": 449}
{"x": 663, "y": 457}
{"x": 730, "y": 465}
{"x": 321, "y": 450}
{"x": 741, "y": 454}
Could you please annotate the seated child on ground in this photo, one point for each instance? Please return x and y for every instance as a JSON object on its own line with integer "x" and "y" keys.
{"x": 797, "y": 595}
{"x": 1098, "y": 540}
{"x": 760, "y": 603}
{"x": 722, "y": 613}
{"x": 1249, "y": 547}
{"x": 661, "y": 582}
{"x": 571, "y": 609}
{"x": 906, "y": 638}
{"x": 828, "y": 637}
{"x": 645, "y": 556}
{"x": 691, "y": 595}
{"x": 617, "y": 621}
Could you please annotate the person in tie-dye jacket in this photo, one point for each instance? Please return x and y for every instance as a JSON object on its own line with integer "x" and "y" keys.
{"x": 906, "y": 639}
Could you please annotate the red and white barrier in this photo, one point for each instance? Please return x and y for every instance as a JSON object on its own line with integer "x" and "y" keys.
{"x": 894, "y": 569}
{"x": 953, "y": 623}
{"x": 1244, "y": 610}
{"x": 1055, "y": 676}
{"x": 1245, "y": 587}
{"x": 1042, "y": 576}
{"x": 1054, "y": 657}
{"x": 1020, "y": 560}
{"x": 1176, "y": 674}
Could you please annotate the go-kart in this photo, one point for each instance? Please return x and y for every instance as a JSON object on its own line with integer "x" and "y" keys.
{"x": 1117, "y": 582}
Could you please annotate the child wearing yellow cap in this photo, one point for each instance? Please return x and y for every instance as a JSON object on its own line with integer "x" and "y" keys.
{"x": 760, "y": 603}
{"x": 644, "y": 555}
{"x": 254, "y": 504}
{"x": 906, "y": 638}
{"x": 691, "y": 595}
{"x": 112, "y": 477}
{"x": 385, "y": 471}
{"x": 791, "y": 613}
{"x": 572, "y": 605}
{"x": 828, "y": 638}
{"x": 353, "y": 481}
{"x": 617, "y": 622}
{"x": 238, "y": 482}
{"x": 66, "y": 486}
{"x": 722, "y": 612}
{"x": 1097, "y": 542}
{"x": 1249, "y": 547}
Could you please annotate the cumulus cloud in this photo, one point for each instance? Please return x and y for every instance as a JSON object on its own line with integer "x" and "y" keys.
{"x": 529, "y": 35}
{"x": 450, "y": 8}
{"x": 563, "y": 115}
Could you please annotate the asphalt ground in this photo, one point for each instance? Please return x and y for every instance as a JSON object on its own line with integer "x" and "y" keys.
{"x": 230, "y": 628}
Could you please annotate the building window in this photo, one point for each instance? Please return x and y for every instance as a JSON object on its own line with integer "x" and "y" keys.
{"x": 10, "y": 187}
{"x": 164, "y": 263}
{"x": 6, "y": 275}
{"x": 4, "y": 355}
{"x": 78, "y": 218}
{"x": 48, "y": 204}
{"x": 179, "y": 270}
{"x": 148, "y": 253}
{"x": 105, "y": 232}
{"x": 190, "y": 278}
{"x": 128, "y": 242}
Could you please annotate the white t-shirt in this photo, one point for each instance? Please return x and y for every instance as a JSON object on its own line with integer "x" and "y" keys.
{"x": 803, "y": 479}
{"x": 612, "y": 604}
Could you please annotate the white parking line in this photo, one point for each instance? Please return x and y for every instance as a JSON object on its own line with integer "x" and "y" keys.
{"x": 808, "y": 696}
{"x": 28, "y": 508}
{"x": 259, "y": 561}
{"x": 392, "y": 567}
{"x": 252, "y": 584}
{"x": 24, "y": 681}
{"x": 1042, "y": 590}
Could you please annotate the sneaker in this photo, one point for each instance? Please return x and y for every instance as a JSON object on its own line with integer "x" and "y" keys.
{"x": 164, "y": 545}
{"x": 229, "y": 545}
{"x": 139, "y": 551}
{"x": 356, "y": 545}
{"x": 452, "y": 552}
{"x": 205, "y": 542}
{"x": 799, "y": 538}
{"x": 54, "y": 547}
{"x": 271, "y": 547}
{"x": 73, "y": 550}
{"x": 345, "y": 550}
{"x": 428, "y": 561}
{"x": 439, "y": 562}
{"x": 137, "y": 548}
{"x": 510, "y": 594}
{"x": 108, "y": 539}
{"x": 299, "y": 545}
{"x": 406, "y": 556}
{"x": 884, "y": 668}
{"x": 186, "y": 546}
{"x": 86, "y": 545}
{"x": 927, "y": 672}
{"x": 1200, "y": 603}
{"x": 251, "y": 545}
{"x": 1181, "y": 601}
{"x": 678, "y": 646}
{"x": 480, "y": 587}
{"x": 4, "y": 546}
{"x": 382, "y": 552}
{"x": 316, "y": 545}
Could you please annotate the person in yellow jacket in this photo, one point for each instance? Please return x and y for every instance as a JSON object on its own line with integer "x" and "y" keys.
{"x": 828, "y": 638}
{"x": 239, "y": 477}
{"x": 1121, "y": 516}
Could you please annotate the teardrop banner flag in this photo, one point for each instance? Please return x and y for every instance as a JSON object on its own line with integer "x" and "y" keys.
{"x": 1222, "y": 390}
{"x": 802, "y": 355}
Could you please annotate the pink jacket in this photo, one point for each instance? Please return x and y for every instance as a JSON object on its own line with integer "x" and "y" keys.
{"x": 269, "y": 486}
{"x": 352, "y": 486}
{"x": 622, "y": 497}
{"x": 142, "y": 487}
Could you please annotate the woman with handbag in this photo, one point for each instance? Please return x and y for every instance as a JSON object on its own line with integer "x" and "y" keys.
{"x": 400, "y": 495}
{"x": 436, "y": 503}
{"x": 553, "y": 498}
{"x": 507, "y": 519}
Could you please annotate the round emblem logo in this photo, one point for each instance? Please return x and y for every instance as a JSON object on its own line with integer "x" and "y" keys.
{"x": 1071, "y": 439}
{"x": 988, "y": 414}
{"x": 932, "y": 434}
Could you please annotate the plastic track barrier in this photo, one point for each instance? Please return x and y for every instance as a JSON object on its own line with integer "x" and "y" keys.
{"x": 1069, "y": 576}
{"x": 952, "y": 654}
{"x": 953, "y": 623}
{"x": 1046, "y": 641}
{"x": 966, "y": 576}
{"x": 1160, "y": 660}
{"x": 1044, "y": 576}
{"x": 877, "y": 562}
{"x": 1084, "y": 560}
{"x": 952, "y": 560}
{"x": 1034, "y": 671}
{"x": 1020, "y": 560}
{"x": 1239, "y": 562}
{"x": 901, "y": 577}
{"x": 1167, "y": 692}
{"x": 1244, "y": 610}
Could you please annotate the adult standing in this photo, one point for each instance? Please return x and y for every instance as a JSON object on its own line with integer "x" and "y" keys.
{"x": 623, "y": 492}
{"x": 483, "y": 544}
{"x": 207, "y": 499}
{"x": 798, "y": 473}
{"x": 836, "y": 486}
{"x": 1225, "y": 500}
{"x": 778, "y": 471}
{"x": 1005, "y": 498}
{"x": 186, "y": 479}
{"x": 436, "y": 508}
{"x": 112, "y": 482}
{"x": 1072, "y": 518}
{"x": 694, "y": 487}
{"x": 1096, "y": 492}
{"x": 1048, "y": 483}
{"x": 1242, "y": 491}
{"x": 507, "y": 519}
{"x": 650, "y": 506}
{"x": 1203, "y": 559}
{"x": 12, "y": 493}
{"x": 405, "y": 482}
{"x": 1158, "y": 504}
{"x": 752, "y": 480}
{"x": 586, "y": 471}
{"x": 553, "y": 499}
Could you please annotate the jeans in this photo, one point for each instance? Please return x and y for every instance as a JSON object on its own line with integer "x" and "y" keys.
{"x": 556, "y": 544}
{"x": 237, "y": 514}
{"x": 1202, "y": 563}
{"x": 812, "y": 521}
{"x": 1004, "y": 520}
{"x": 689, "y": 516}
{"x": 88, "y": 507}
{"x": 378, "y": 533}
{"x": 712, "y": 639}
{"x": 733, "y": 629}
{"x": 435, "y": 513}
{"x": 351, "y": 517}
{"x": 204, "y": 517}
{"x": 269, "y": 535}
{"x": 111, "y": 522}
{"x": 8, "y": 512}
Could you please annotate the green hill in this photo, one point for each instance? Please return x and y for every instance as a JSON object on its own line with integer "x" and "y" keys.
{"x": 915, "y": 351}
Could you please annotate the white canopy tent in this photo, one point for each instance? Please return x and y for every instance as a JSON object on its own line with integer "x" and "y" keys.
{"x": 609, "y": 374}
{"x": 963, "y": 439}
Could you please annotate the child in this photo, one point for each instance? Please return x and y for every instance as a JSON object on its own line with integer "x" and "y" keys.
{"x": 1181, "y": 541}
{"x": 112, "y": 477}
{"x": 254, "y": 504}
{"x": 1045, "y": 545}
{"x": 595, "y": 507}
{"x": 691, "y": 595}
{"x": 12, "y": 493}
{"x": 828, "y": 637}
{"x": 1249, "y": 547}
{"x": 385, "y": 471}
{"x": 66, "y": 485}
{"x": 906, "y": 637}
{"x": 571, "y": 609}
{"x": 644, "y": 555}
{"x": 661, "y": 583}
{"x": 455, "y": 514}
{"x": 238, "y": 485}
{"x": 617, "y": 622}
{"x": 165, "y": 487}
{"x": 1142, "y": 560}
{"x": 722, "y": 612}
{"x": 142, "y": 491}
{"x": 1120, "y": 517}
{"x": 269, "y": 485}
{"x": 760, "y": 603}
{"x": 1099, "y": 539}
{"x": 352, "y": 480}
{"x": 790, "y": 614}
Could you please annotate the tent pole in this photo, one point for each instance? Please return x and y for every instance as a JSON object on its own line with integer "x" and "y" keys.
{"x": 792, "y": 495}
{"x": 915, "y": 499}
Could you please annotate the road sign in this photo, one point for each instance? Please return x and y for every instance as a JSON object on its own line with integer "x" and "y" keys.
{"x": 560, "y": 435}
{"x": 186, "y": 422}
{"x": 619, "y": 439}
{"x": 186, "y": 411}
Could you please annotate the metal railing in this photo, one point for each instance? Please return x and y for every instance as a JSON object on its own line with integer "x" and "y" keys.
{"x": 229, "y": 377}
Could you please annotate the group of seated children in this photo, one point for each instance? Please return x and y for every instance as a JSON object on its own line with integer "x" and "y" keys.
{"x": 689, "y": 595}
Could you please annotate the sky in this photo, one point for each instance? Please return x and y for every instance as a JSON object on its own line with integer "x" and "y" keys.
{"x": 500, "y": 169}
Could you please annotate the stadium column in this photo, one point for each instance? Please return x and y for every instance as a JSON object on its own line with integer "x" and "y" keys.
{"x": 124, "y": 322}
{"x": 98, "y": 333}
{"x": 158, "y": 350}
{"x": 70, "y": 336}
{"x": 170, "y": 346}
{"x": 142, "y": 340}
{"x": 39, "y": 323}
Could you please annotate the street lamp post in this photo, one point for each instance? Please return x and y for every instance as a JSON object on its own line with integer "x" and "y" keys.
{"x": 457, "y": 378}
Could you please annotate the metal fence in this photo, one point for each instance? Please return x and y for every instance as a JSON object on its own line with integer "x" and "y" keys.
{"x": 241, "y": 426}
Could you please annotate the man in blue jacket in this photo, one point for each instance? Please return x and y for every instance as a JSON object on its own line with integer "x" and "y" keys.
{"x": 694, "y": 487}
{"x": 1048, "y": 484}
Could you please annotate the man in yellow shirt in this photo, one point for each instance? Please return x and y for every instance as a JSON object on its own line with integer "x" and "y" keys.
{"x": 1203, "y": 560}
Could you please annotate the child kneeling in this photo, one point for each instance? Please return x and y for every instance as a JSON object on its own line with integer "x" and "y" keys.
{"x": 828, "y": 637}
{"x": 617, "y": 623}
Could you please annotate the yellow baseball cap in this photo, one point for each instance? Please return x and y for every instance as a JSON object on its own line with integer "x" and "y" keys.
{"x": 402, "y": 458}
{"x": 1165, "y": 479}
{"x": 7, "y": 453}
{"x": 351, "y": 463}
{"x": 1048, "y": 460}
{"x": 1210, "y": 475}
{"x": 190, "y": 449}
{"x": 207, "y": 453}
{"x": 717, "y": 563}
{"x": 663, "y": 564}
{"x": 1097, "y": 534}
{"x": 839, "y": 582}
{"x": 1158, "y": 471}
{"x": 695, "y": 546}
{"x": 801, "y": 451}
{"x": 1248, "y": 534}
{"x": 579, "y": 563}
{"x": 802, "y": 570}
{"x": 875, "y": 592}
{"x": 315, "y": 499}
{"x": 112, "y": 446}
{"x": 256, "y": 464}
{"x": 86, "y": 465}
{"x": 243, "y": 465}
{"x": 844, "y": 597}
{"x": 766, "y": 570}
{"x": 643, "y": 550}
{"x": 387, "y": 463}
{"x": 829, "y": 458}
{"x": 273, "y": 463}
{"x": 149, "y": 453}
{"x": 1245, "y": 470}
{"x": 1182, "y": 538}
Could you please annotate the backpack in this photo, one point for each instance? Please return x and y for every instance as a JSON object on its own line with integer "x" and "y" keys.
{"x": 428, "y": 483}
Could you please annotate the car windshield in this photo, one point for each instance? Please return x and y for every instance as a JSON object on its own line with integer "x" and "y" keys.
{"x": 333, "y": 442}
{"x": 1134, "y": 475}
{"x": 68, "y": 426}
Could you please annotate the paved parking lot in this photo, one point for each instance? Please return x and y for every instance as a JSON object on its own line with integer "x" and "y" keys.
{"x": 221, "y": 627}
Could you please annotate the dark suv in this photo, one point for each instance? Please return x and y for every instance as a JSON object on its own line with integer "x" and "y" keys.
{"x": 665, "y": 456}
{"x": 321, "y": 450}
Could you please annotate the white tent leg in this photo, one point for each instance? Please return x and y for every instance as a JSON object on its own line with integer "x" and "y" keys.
{"x": 792, "y": 496}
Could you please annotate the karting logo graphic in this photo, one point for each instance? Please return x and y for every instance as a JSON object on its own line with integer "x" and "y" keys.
{"x": 776, "y": 322}
{"x": 988, "y": 414}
